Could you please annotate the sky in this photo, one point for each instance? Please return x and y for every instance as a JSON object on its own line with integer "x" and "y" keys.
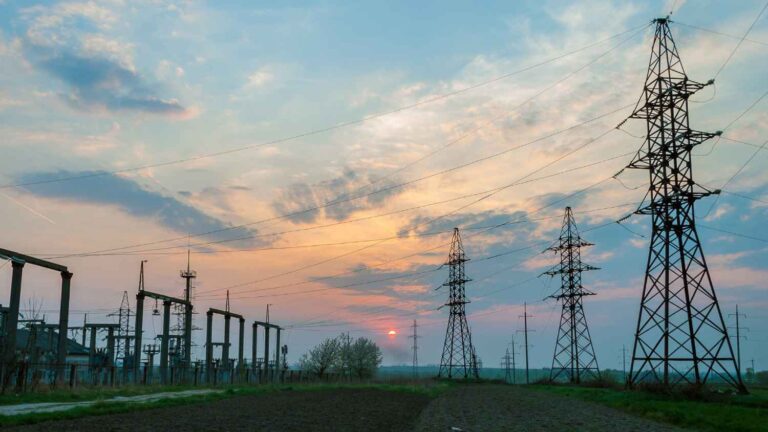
{"x": 316, "y": 157}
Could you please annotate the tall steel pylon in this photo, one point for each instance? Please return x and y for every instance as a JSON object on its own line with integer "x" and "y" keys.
{"x": 122, "y": 350}
{"x": 415, "y": 336}
{"x": 574, "y": 356}
{"x": 458, "y": 359}
{"x": 681, "y": 336}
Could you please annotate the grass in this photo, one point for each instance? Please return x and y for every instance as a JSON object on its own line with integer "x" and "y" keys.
{"x": 102, "y": 407}
{"x": 86, "y": 393}
{"x": 706, "y": 411}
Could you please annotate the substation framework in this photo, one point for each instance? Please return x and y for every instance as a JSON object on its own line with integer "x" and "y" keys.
{"x": 681, "y": 336}
{"x": 11, "y": 316}
{"x": 574, "y": 356}
{"x": 225, "y": 362}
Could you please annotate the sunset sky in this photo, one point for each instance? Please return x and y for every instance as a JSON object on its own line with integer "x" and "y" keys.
{"x": 135, "y": 129}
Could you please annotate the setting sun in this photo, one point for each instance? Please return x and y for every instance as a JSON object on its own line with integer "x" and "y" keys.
{"x": 392, "y": 332}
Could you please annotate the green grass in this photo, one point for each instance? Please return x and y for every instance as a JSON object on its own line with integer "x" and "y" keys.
{"x": 101, "y": 407}
{"x": 709, "y": 412}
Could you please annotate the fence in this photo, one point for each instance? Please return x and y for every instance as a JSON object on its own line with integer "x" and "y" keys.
{"x": 30, "y": 377}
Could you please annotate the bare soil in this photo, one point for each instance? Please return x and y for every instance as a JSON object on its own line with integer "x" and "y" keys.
{"x": 512, "y": 408}
{"x": 321, "y": 410}
{"x": 471, "y": 407}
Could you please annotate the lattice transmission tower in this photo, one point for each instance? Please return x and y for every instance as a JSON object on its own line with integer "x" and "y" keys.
{"x": 681, "y": 336}
{"x": 122, "y": 344}
{"x": 574, "y": 356}
{"x": 458, "y": 359}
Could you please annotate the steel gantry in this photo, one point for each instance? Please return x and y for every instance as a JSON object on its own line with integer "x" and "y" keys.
{"x": 18, "y": 260}
{"x": 267, "y": 327}
{"x": 225, "y": 346}
{"x": 167, "y": 301}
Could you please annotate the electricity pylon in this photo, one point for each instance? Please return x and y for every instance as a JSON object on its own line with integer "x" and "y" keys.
{"x": 574, "y": 356}
{"x": 415, "y": 336}
{"x": 458, "y": 359}
{"x": 681, "y": 336}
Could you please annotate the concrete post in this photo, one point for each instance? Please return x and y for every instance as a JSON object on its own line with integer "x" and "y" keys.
{"x": 12, "y": 318}
{"x": 225, "y": 348}
{"x": 111, "y": 347}
{"x": 164, "y": 341}
{"x": 254, "y": 347}
{"x": 241, "y": 339}
{"x": 209, "y": 347}
{"x": 92, "y": 347}
{"x": 277, "y": 353}
{"x": 137, "y": 337}
{"x": 266, "y": 351}
{"x": 66, "y": 278}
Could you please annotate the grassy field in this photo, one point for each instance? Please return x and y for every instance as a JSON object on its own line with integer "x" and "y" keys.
{"x": 102, "y": 408}
{"x": 706, "y": 411}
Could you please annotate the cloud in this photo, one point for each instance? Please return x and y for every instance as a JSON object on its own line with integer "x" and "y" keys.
{"x": 130, "y": 197}
{"x": 260, "y": 78}
{"x": 100, "y": 83}
{"x": 300, "y": 196}
{"x": 97, "y": 69}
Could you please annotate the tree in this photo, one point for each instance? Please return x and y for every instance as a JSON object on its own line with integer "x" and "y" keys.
{"x": 322, "y": 357}
{"x": 364, "y": 357}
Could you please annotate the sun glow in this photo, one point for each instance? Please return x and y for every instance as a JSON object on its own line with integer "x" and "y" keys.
{"x": 392, "y": 332}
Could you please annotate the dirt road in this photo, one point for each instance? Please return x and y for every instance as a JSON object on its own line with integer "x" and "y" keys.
{"x": 512, "y": 408}
{"x": 485, "y": 407}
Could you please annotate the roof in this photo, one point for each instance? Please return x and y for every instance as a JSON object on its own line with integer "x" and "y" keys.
{"x": 23, "y": 335}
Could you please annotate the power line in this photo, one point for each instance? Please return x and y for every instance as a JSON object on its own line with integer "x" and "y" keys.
{"x": 576, "y": 149}
{"x": 386, "y": 189}
{"x": 741, "y": 40}
{"x": 319, "y": 130}
{"x": 720, "y": 33}
{"x": 216, "y": 242}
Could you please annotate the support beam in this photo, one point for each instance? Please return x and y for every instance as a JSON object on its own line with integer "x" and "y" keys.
{"x": 187, "y": 338}
{"x": 164, "y": 341}
{"x": 241, "y": 339}
{"x": 110, "y": 346}
{"x": 225, "y": 348}
{"x": 12, "y": 315}
{"x": 209, "y": 347}
{"x": 254, "y": 347}
{"x": 266, "y": 351}
{"x": 277, "y": 354}
{"x": 137, "y": 348}
{"x": 66, "y": 278}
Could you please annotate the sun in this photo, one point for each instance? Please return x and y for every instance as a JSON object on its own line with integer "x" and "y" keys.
{"x": 392, "y": 332}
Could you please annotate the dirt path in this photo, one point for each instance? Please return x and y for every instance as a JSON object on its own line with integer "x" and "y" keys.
{"x": 509, "y": 408}
{"x": 321, "y": 410}
{"x": 10, "y": 410}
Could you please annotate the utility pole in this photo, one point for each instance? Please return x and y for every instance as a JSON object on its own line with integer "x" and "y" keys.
{"x": 458, "y": 353}
{"x": 574, "y": 354}
{"x": 514, "y": 367}
{"x": 415, "y": 349}
{"x": 188, "y": 275}
{"x": 624, "y": 361}
{"x": 681, "y": 337}
{"x": 738, "y": 339}
{"x": 525, "y": 317}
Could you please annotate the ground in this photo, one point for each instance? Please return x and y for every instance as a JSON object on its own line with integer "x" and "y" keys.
{"x": 514, "y": 408}
{"x": 474, "y": 407}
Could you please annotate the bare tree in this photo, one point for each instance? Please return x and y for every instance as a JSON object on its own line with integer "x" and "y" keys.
{"x": 322, "y": 357}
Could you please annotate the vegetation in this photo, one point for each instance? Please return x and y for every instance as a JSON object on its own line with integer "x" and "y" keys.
{"x": 360, "y": 358}
{"x": 699, "y": 409}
